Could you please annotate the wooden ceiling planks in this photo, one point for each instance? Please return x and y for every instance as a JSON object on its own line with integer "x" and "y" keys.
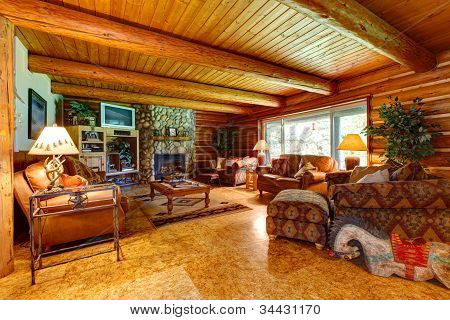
{"x": 228, "y": 24}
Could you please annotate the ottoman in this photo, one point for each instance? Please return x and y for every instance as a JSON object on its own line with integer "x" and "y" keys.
{"x": 299, "y": 214}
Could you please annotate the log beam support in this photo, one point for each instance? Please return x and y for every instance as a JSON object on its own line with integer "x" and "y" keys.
{"x": 132, "y": 97}
{"x": 72, "y": 69}
{"x": 355, "y": 21}
{"x": 54, "y": 19}
{"x": 6, "y": 146}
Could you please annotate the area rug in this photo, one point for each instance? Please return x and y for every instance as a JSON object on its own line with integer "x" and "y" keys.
{"x": 147, "y": 214}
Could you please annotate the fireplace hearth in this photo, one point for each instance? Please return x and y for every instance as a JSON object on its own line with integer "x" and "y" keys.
{"x": 168, "y": 164}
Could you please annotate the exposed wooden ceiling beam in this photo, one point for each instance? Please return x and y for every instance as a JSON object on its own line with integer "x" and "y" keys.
{"x": 132, "y": 97}
{"x": 62, "y": 21}
{"x": 354, "y": 21}
{"x": 71, "y": 69}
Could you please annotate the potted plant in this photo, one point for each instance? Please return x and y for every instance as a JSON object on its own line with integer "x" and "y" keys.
{"x": 81, "y": 113}
{"x": 408, "y": 137}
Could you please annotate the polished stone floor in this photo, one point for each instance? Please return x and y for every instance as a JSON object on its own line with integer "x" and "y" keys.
{"x": 219, "y": 257}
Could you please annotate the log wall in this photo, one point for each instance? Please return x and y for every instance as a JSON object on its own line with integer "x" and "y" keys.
{"x": 433, "y": 86}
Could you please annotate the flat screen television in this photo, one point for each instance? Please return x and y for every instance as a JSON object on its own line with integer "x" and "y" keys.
{"x": 114, "y": 116}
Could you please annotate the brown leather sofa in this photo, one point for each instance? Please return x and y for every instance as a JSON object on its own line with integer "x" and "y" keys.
{"x": 71, "y": 227}
{"x": 311, "y": 180}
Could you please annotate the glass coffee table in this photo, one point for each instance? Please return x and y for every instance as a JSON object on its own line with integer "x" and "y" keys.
{"x": 179, "y": 189}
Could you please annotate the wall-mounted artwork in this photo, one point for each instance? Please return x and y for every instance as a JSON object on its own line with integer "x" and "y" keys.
{"x": 37, "y": 114}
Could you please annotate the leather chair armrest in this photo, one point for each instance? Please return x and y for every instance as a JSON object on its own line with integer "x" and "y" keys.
{"x": 311, "y": 177}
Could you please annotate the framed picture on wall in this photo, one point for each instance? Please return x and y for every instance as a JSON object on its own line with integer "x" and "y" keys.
{"x": 37, "y": 114}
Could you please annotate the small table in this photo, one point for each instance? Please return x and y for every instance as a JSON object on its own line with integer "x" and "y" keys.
{"x": 78, "y": 198}
{"x": 181, "y": 189}
{"x": 251, "y": 179}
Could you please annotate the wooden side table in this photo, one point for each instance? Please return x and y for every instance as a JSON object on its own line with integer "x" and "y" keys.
{"x": 251, "y": 179}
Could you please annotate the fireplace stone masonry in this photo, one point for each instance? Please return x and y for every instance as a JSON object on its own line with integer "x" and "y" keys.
{"x": 150, "y": 118}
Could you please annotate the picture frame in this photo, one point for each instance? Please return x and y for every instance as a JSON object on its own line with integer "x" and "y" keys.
{"x": 37, "y": 114}
{"x": 172, "y": 132}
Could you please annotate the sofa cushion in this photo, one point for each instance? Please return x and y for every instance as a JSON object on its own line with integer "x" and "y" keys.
{"x": 220, "y": 163}
{"x": 279, "y": 166}
{"x": 293, "y": 163}
{"x": 289, "y": 183}
{"x": 36, "y": 176}
{"x": 359, "y": 172}
{"x": 322, "y": 163}
{"x": 301, "y": 205}
{"x": 77, "y": 167}
{"x": 409, "y": 172}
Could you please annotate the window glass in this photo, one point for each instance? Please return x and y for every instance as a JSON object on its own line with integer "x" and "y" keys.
{"x": 318, "y": 134}
{"x": 273, "y": 137}
{"x": 344, "y": 122}
{"x": 308, "y": 135}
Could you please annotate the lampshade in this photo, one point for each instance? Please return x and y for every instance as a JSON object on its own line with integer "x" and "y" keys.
{"x": 352, "y": 142}
{"x": 261, "y": 145}
{"x": 53, "y": 141}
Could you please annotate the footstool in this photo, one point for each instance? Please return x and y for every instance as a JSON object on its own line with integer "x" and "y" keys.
{"x": 298, "y": 214}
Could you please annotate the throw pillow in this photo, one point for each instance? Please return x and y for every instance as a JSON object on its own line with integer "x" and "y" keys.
{"x": 37, "y": 177}
{"x": 360, "y": 172}
{"x": 307, "y": 167}
{"x": 279, "y": 166}
{"x": 376, "y": 177}
{"x": 73, "y": 181}
{"x": 409, "y": 172}
{"x": 77, "y": 167}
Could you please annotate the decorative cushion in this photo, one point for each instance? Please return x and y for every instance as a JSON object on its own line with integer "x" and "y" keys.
{"x": 307, "y": 167}
{"x": 229, "y": 162}
{"x": 73, "y": 181}
{"x": 359, "y": 172}
{"x": 279, "y": 167}
{"x": 37, "y": 177}
{"x": 77, "y": 167}
{"x": 409, "y": 172}
{"x": 376, "y": 177}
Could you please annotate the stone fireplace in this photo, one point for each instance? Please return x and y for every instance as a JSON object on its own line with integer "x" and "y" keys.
{"x": 166, "y": 163}
{"x": 154, "y": 121}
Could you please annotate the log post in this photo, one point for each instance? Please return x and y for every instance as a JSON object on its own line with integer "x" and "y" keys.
{"x": 6, "y": 146}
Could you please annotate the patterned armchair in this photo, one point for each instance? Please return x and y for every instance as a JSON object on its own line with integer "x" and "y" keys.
{"x": 409, "y": 208}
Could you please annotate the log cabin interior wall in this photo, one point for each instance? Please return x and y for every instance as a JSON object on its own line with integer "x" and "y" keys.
{"x": 237, "y": 62}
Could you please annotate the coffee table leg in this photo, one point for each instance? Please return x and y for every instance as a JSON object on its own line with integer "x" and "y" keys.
{"x": 207, "y": 199}
{"x": 152, "y": 193}
{"x": 169, "y": 205}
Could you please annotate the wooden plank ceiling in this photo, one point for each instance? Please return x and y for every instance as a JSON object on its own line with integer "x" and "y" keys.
{"x": 267, "y": 30}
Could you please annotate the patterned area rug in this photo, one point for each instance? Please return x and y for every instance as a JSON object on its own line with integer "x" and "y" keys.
{"x": 145, "y": 214}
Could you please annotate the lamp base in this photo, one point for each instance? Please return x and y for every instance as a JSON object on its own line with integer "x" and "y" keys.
{"x": 351, "y": 162}
{"x": 261, "y": 159}
{"x": 53, "y": 170}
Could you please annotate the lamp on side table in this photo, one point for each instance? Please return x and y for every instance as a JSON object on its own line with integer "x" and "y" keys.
{"x": 352, "y": 142}
{"x": 262, "y": 147}
{"x": 56, "y": 142}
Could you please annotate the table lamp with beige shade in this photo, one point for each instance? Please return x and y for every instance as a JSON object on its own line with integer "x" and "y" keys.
{"x": 56, "y": 142}
{"x": 262, "y": 147}
{"x": 352, "y": 142}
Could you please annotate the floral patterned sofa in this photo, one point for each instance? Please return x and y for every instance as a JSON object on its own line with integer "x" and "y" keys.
{"x": 409, "y": 208}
